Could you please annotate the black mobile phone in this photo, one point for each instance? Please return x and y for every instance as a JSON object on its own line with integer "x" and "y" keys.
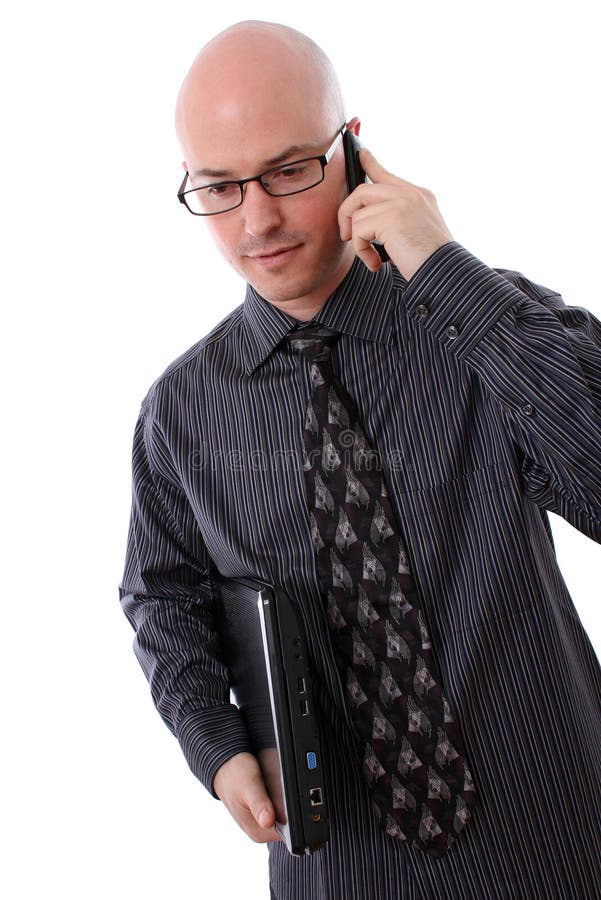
{"x": 355, "y": 175}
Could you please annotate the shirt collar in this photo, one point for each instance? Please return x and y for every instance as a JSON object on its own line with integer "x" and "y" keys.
{"x": 360, "y": 306}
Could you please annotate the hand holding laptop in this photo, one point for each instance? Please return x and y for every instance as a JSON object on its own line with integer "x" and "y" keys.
{"x": 272, "y": 776}
{"x": 261, "y": 639}
{"x": 239, "y": 785}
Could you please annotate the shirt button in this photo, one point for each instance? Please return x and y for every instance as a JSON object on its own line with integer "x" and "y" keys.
{"x": 528, "y": 409}
{"x": 422, "y": 311}
{"x": 452, "y": 332}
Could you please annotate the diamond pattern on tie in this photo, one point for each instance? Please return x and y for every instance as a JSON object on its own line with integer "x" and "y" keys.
{"x": 413, "y": 758}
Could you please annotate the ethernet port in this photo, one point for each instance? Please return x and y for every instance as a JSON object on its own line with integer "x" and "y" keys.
{"x": 315, "y": 796}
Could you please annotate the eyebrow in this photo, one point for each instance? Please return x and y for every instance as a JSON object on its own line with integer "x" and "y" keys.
{"x": 297, "y": 150}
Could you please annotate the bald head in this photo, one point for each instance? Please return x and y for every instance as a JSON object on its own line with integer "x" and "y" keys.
{"x": 253, "y": 75}
{"x": 259, "y": 96}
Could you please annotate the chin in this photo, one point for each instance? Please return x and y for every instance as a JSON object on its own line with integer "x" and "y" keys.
{"x": 277, "y": 290}
{"x": 281, "y": 286}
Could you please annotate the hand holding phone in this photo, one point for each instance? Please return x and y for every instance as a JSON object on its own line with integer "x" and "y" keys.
{"x": 356, "y": 176}
{"x": 401, "y": 213}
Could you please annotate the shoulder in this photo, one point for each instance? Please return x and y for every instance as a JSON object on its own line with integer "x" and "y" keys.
{"x": 187, "y": 370}
{"x": 531, "y": 288}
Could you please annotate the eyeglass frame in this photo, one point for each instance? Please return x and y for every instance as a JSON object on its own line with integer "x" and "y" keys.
{"x": 323, "y": 159}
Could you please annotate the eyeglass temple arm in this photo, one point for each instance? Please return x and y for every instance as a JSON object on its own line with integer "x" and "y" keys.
{"x": 180, "y": 193}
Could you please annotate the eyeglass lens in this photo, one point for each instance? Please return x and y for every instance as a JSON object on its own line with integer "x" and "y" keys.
{"x": 288, "y": 179}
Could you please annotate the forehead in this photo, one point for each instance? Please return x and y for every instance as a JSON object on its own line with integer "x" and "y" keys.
{"x": 286, "y": 154}
{"x": 247, "y": 132}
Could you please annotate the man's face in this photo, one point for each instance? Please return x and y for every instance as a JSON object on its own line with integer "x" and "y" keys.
{"x": 287, "y": 248}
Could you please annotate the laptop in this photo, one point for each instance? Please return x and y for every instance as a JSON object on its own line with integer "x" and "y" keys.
{"x": 262, "y": 642}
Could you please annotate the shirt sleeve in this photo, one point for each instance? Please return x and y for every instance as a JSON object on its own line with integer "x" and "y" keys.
{"x": 540, "y": 363}
{"x": 167, "y": 596}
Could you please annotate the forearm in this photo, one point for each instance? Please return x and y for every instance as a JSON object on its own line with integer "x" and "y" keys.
{"x": 178, "y": 651}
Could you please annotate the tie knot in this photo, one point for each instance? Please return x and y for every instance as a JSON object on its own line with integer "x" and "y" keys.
{"x": 314, "y": 341}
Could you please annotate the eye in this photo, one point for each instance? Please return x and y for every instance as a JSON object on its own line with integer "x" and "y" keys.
{"x": 290, "y": 173}
{"x": 221, "y": 190}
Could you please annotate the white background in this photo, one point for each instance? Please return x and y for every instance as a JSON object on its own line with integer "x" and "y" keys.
{"x": 493, "y": 107}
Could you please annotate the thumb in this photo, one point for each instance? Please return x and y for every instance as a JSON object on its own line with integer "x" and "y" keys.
{"x": 261, "y": 806}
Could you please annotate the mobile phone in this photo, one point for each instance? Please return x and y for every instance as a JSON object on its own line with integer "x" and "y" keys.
{"x": 355, "y": 176}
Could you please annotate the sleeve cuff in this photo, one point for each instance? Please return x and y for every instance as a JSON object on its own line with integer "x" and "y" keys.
{"x": 457, "y": 298}
{"x": 209, "y": 737}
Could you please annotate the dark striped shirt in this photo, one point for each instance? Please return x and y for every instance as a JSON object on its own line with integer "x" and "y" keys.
{"x": 482, "y": 393}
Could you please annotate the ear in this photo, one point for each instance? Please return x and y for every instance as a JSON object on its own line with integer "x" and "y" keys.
{"x": 184, "y": 165}
{"x": 354, "y": 125}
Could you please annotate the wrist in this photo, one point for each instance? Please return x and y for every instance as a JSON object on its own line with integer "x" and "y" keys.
{"x": 409, "y": 259}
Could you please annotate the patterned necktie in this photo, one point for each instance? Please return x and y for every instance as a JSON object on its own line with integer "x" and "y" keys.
{"x": 421, "y": 788}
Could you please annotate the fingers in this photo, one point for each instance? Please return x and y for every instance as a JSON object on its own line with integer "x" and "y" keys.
{"x": 255, "y": 798}
{"x": 366, "y": 252}
{"x": 363, "y": 195}
{"x": 255, "y": 814}
{"x": 240, "y": 786}
{"x": 376, "y": 172}
{"x": 272, "y": 776}
{"x": 363, "y": 220}
{"x": 246, "y": 821}
{"x": 351, "y": 210}
{"x": 360, "y": 197}
{"x": 396, "y": 213}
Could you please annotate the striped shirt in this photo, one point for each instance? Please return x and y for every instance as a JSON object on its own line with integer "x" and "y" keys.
{"x": 482, "y": 392}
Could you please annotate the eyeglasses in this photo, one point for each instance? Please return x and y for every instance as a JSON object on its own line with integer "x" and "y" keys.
{"x": 291, "y": 178}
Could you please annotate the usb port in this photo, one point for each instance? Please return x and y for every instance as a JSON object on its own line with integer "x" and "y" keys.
{"x": 315, "y": 797}
{"x": 304, "y": 707}
{"x": 302, "y": 687}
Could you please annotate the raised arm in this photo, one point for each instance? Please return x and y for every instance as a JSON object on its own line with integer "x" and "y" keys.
{"x": 540, "y": 362}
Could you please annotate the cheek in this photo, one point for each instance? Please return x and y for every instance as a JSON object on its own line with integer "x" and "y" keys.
{"x": 320, "y": 215}
{"x": 223, "y": 235}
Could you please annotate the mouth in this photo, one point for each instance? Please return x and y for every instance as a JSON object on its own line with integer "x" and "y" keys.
{"x": 275, "y": 257}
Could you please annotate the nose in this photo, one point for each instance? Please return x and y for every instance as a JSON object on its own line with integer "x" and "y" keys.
{"x": 261, "y": 211}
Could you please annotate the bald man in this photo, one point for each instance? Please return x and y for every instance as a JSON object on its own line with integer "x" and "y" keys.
{"x": 480, "y": 389}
